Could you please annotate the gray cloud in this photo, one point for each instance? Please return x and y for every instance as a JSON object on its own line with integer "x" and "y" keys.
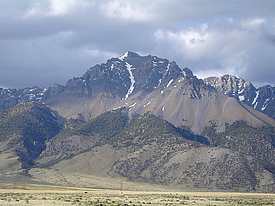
{"x": 49, "y": 41}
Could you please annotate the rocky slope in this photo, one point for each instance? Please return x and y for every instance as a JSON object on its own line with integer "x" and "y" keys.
{"x": 24, "y": 130}
{"x": 147, "y": 148}
{"x": 261, "y": 99}
{"x": 122, "y": 144}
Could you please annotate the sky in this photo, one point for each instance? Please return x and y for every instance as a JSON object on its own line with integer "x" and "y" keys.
{"x": 43, "y": 42}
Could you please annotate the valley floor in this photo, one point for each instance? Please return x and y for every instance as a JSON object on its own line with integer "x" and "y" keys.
{"x": 28, "y": 195}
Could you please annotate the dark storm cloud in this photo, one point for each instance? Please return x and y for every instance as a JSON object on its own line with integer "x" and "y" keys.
{"x": 48, "y": 41}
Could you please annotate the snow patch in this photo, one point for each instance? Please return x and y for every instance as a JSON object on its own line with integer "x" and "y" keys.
{"x": 123, "y": 57}
{"x": 255, "y": 106}
{"x": 31, "y": 96}
{"x": 255, "y": 100}
{"x": 162, "y": 109}
{"x": 159, "y": 82}
{"x": 170, "y": 82}
{"x": 181, "y": 80}
{"x": 112, "y": 66}
{"x": 240, "y": 92}
{"x": 183, "y": 72}
{"x": 161, "y": 91}
{"x": 53, "y": 114}
{"x": 132, "y": 105}
{"x": 147, "y": 104}
{"x": 265, "y": 104}
{"x": 167, "y": 69}
{"x": 115, "y": 108}
{"x": 132, "y": 79}
{"x": 241, "y": 98}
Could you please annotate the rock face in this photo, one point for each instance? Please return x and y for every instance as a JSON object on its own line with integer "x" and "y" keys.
{"x": 261, "y": 99}
{"x": 126, "y": 76}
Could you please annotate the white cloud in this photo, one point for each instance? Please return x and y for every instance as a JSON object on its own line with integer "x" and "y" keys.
{"x": 98, "y": 53}
{"x": 127, "y": 10}
{"x": 208, "y": 72}
{"x": 253, "y": 23}
{"x": 192, "y": 42}
{"x": 219, "y": 49}
{"x": 215, "y": 36}
{"x": 56, "y": 7}
{"x": 59, "y": 7}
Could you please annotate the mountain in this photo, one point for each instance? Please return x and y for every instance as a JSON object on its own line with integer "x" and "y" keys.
{"x": 261, "y": 99}
{"x": 142, "y": 148}
{"x": 125, "y": 76}
{"x": 149, "y": 149}
{"x": 24, "y": 130}
{"x": 11, "y": 97}
{"x": 147, "y": 83}
{"x": 140, "y": 119}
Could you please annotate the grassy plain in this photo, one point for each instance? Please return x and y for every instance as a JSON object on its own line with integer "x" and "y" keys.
{"x": 39, "y": 195}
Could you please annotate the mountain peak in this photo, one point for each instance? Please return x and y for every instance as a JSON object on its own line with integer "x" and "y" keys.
{"x": 128, "y": 54}
{"x": 233, "y": 86}
{"x": 132, "y": 73}
{"x": 229, "y": 83}
{"x": 128, "y": 74}
{"x": 226, "y": 77}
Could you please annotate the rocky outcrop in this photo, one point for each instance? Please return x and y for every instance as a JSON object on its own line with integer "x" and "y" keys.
{"x": 261, "y": 99}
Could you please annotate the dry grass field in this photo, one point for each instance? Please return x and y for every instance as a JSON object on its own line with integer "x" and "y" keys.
{"x": 29, "y": 195}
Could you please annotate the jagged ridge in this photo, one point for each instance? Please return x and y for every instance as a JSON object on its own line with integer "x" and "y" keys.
{"x": 261, "y": 99}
